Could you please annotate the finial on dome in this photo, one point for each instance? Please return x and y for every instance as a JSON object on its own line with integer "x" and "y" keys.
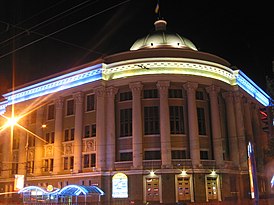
{"x": 160, "y": 25}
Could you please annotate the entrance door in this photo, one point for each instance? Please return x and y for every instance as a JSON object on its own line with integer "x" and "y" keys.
{"x": 152, "y": 189}
{"x": 183, "y": 184}
{"x": 212, "y": 189}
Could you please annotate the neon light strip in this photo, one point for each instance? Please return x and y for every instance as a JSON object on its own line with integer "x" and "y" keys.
{"x": 56, "y": 84}
{"x": 250, "y": 87}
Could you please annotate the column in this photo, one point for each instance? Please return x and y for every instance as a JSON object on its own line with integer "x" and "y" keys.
{"x": 240, "y": 130}
{"x": 100, "y": 128}
{"x": 78, "y": 129}
{"x": 57, "y": 160}
{"x": 137, "y": 128}
{"x": 231, "y": 127}
{"x": 248, "y": 121}
{"x": 216, "y": 125}
{"x": 194, "y": 141}
{"x": 7, "y": 149}
{"x": 111, "y": 136}
{"x": 164, "y": 124}
{"x": 39, "y": 142}
{"x": 22, "y": 163}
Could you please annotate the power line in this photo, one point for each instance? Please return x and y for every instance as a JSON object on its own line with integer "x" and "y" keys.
{"x": 39, "y": 24}
{"x": 64, "y": 28}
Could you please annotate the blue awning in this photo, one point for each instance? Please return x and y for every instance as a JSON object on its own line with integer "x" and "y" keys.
{"x": 76, "y": 190}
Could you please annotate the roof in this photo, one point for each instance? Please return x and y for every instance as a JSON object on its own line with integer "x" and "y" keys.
{"x": 162, "y": 38}
{"x": 76, "y": 190}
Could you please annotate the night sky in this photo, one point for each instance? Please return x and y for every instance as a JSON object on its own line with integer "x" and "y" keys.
{"x": 42, "y": 37}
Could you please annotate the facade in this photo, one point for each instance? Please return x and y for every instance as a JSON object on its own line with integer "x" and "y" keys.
{"x": 161, "y": 123}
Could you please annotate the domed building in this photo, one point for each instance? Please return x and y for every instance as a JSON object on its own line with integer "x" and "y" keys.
{"x": 160, "y": 123}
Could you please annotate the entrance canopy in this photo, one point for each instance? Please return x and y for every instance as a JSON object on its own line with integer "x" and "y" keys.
{"x": 36, "y": 190}
{"x": 76, "y": 190}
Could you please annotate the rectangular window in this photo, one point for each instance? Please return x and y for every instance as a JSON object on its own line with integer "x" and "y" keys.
{"x": 52, "y": 138}
{"x": 125, "y": 96}
{"x": 87, "y": 132}
{"x": 176, "y": 120}
{"x": 203, "y": 154}
{"x": 70, "y": 107}
{"x": 50, "y": 114}
{"x": 151, "y": 120}
{"x": 90, "y": 103}
{"x": 86, "y": 160}
{"x": 66, "y": 163}
{"x": 199, "y": 95}
{"x": 47, "y": 137}
{"x": 93, "y": 130}
{"x": 175, "y": 93}
{"x": 72, "y": 134}
{"x": 126, "y": 156}
{"x": 126, "y": 122}
{"x": 151, "y": 155}
{"x": 93, "y": 160}
{"x": 46, "y": 165}
{"x": 178, "y": 154}
{"x": 66, "y": 137}
{"x": 151, "y": 93}
{"x": 51, "y": 165}
{"x": 201, "y": 121}
{"x": 71, "y": 163}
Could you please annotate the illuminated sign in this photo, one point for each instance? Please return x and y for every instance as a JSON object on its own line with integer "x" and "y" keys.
{"x": 49, "y": 188}
{"x": 18, "y": 182}
{"x": 119, "y": 186}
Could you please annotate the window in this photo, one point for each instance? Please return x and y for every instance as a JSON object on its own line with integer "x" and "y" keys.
{"x": 50, "y": 137}
{"x": 89, "y": 160}
{"x": 70, "y": 107}
{"x": 71, "y": 162}
{"x": 69, "y": 135}
{"x": 178, "y": 154}
{"x": 199, "y": 95}
{"x": 126, "y": 156}
{"x": 151, "y": 93}
{"x": 176, "y": 120}
{"x": 151, "y": 155}
{"x": 151, "y": 120}
{"x": 125, "y": 96}
{"x": 175, "y": 93}
{"x": 14, "y": 169}
{"x": 50, "y": 114}
{"x": 90, "y": 131}
{"x": 30, "y": 167}
{"x": 33, "y": 117}
{"x": 125, "y": 122}
{"x": 48, "y": 165}
{"x": 201, "y": 121}
{"x": 203, "y": 154}
{"x": 90, "y": 103}
{"x": 66, "y": 163}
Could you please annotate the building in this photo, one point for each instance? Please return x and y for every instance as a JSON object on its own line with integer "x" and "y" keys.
{"x": 161, "y": 123}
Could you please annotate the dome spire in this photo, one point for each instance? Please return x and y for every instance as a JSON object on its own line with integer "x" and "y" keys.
{"x": 157, "y": 9}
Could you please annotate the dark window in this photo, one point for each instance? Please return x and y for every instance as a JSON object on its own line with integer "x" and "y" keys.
{"x": 66, "y": 163}
{"x": 204, "y": 154}
{"x": 14, "y": 169}
{"x": 178, "y": 154}
{"x": 199, "y": 95}
{"x": 87, "y": 132}
{"x": 50, "y": 112}
{"x": 71, "y": 162}
{"x": 47, "y": 137}
{"x": 46, "y": 165}
{"x": 70, "y": 107}
{"x": 33, "y": 117}
{"x": 151, "y": 120}
{"x": 89, "y": 160}
{"x": 125, "y": 122}
{"x": 66, "y": 138}
{"x": 51, "y": 165}
{"x": 52, "y": 138}
{"x": 125, "y": 96}
{"x": 126, "y": 156}
{"x": 176, "y": 120}
{"x": 201, "y": 121}
{"x": 93, "y": 130}
{"x": 90, "y": 103}
{"x": 72, "y": 134}
{"x": 150, "y": 155}
{"x": 175, "y": 93}
{"x": 151, "y": 93}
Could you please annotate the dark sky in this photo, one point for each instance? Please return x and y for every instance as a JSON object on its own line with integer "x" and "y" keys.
{"x": 43, "y": 37}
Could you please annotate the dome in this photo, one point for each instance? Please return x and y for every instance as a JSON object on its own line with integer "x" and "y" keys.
{"x": 161, "y": 38}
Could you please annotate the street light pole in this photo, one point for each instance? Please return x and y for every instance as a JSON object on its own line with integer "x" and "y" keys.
{"x": 27, "y": 159}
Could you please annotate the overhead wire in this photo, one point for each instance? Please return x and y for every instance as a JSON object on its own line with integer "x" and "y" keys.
{"x": 28, "y": 30}
{"x": 64, "y": 28}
